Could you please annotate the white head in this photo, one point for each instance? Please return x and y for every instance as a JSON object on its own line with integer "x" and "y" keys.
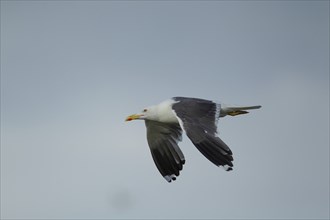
{"x": 147, "y": 113}
{"x": 162, "y": 112}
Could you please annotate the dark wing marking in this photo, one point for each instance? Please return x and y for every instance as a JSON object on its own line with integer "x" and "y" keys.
{"x": 199, "y": 118}
{"x": 163, "y": 142}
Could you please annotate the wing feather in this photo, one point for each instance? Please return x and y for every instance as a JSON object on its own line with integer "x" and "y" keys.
{"x": 199, "y": 117}
{"x": 163, "y": 143}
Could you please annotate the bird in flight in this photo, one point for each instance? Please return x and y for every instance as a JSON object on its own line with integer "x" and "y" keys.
{"x": 198, "y": 118}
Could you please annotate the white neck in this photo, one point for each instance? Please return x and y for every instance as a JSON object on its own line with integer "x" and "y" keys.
{"x": 163, "y": 112}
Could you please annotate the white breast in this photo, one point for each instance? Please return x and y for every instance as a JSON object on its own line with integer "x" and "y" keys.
{"x": 165, "y": 112}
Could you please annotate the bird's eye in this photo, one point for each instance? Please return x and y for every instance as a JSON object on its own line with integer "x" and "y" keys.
{"x": 145, "y": 110}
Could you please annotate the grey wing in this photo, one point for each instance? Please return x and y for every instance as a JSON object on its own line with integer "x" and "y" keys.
{"x": 199, "y": 119}
{"x": 163, "y": 143}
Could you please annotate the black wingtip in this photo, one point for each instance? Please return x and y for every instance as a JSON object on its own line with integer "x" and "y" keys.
{"x": 169, "y": 178}
{"x": 227, "y": 168}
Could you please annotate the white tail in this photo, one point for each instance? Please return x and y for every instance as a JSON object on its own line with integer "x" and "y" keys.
{"x": 233, "y": 111}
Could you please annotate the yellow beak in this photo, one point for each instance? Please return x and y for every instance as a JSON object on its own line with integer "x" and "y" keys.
{"x": 133, "y": 117}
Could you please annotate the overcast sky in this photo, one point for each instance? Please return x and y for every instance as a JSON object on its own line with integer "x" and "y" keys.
{"x": 71, "y": 71}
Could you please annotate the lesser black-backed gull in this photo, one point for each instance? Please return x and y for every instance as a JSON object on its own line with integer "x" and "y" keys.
{"x": 198, "y": 118}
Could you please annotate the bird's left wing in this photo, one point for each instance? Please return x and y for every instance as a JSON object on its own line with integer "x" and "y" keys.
{"x": 198, "y": 118}
{"x": 163, "y": 143}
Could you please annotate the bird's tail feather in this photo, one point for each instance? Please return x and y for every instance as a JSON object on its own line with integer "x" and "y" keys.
{"x": 233, "y": 111}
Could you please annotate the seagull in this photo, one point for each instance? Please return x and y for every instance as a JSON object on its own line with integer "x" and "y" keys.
{"x": 198, "y": 118}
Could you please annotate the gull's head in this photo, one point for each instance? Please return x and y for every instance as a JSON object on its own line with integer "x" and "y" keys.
{"x": 146, "y": 113}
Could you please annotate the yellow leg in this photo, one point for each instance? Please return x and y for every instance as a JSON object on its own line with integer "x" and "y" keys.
{"x": 238, "y": 112}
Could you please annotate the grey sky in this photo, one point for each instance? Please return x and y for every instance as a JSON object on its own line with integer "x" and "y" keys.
{"x": 71, "y": 71}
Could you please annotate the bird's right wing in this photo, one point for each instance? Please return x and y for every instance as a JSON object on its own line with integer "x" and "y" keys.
{"x": 163, "y": 142}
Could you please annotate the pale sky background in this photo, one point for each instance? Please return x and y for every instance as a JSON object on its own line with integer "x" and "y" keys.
{"x": 71, "y": 71}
